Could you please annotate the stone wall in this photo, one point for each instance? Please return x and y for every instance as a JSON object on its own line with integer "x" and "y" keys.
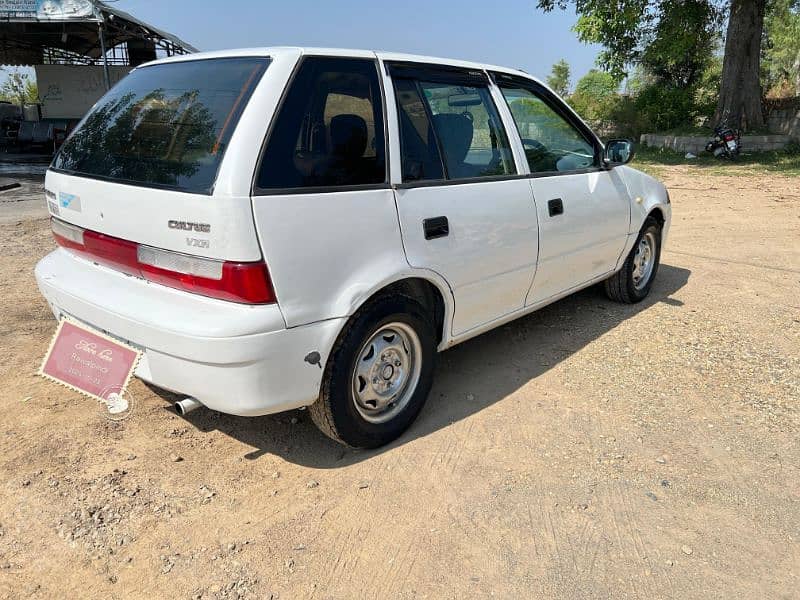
{"x": 696, "y": 144}
{"x": 783, "y": 117}
{"x": 783, "y": 121}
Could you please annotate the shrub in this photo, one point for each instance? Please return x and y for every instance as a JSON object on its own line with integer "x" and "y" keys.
{"x": 595, "y": 96}
{"x": 664, "y": 107}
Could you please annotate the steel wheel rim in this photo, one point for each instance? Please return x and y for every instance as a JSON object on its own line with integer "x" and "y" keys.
{"x": 386, "y": 372}
{"x": 644, "y": 260}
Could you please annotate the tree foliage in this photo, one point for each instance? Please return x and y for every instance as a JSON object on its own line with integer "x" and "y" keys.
{"x": 676, "y": 41}
{"x": 628, "y": 28}
{"x": 780, "y": 63}
{"x": 595, "y": 95}
{"x": 19, "y": 89}
{"x": 681, "y": 44}
{"x": 558, "y": 80}
{"x": 647, "y": 104}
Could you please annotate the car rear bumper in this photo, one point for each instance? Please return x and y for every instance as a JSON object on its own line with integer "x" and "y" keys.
{"x": 234, "y": 358}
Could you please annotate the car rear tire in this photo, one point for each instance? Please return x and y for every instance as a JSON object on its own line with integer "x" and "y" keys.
{"x": 633, "y": 281}
{"x": 379, "y": 374}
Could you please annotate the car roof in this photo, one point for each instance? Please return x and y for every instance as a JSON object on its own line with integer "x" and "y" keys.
{"x": 343, "y": 52}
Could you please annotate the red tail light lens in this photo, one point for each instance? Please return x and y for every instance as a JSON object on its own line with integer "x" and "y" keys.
{"x": 111, "y": 252}
{"x": 238, "y": 282}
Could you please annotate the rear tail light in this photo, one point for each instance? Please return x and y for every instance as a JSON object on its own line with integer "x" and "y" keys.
{"x": 67, "y": 235}
{"x": 179, "y": 263}
{"x": 238, "y": 282}
{"x": 249, "y": 282}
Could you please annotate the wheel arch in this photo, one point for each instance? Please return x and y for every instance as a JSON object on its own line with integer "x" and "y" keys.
{"x": 657, "y": 211}
{"x": 427, "y": 287}
{"x": 657, "y": 214}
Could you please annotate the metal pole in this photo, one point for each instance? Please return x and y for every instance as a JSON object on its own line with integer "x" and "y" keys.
{"x": 105, "y": 57}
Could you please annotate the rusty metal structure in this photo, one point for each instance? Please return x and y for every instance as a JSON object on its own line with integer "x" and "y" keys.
{"x": 79, "y": 32}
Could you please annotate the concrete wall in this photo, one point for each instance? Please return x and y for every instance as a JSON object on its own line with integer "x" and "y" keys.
{"x": 783, "y": 116}
{"x": 69, "y": 91}
{"x": 697, "y": 144}
{"x": 783, "y": 121}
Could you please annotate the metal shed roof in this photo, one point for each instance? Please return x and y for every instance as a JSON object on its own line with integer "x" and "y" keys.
{"x": 29, "y": 38}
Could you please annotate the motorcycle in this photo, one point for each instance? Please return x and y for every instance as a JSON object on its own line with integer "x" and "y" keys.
{"x": 726, "y": 143}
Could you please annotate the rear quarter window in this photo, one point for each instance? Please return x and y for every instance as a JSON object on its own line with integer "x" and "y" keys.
{"x": 329, "y": 130}
{"x": 165, "y": 125}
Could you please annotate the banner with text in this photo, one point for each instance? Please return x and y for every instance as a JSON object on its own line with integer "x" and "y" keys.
{"x": 46, "y": 10}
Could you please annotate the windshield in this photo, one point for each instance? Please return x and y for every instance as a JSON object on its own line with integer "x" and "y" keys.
{"x": 165, "y": 125}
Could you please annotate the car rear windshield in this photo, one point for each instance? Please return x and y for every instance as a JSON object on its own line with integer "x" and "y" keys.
{"x": 164, "y": 125}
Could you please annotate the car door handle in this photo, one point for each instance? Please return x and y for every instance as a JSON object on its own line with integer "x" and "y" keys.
{"x": 555, "y": 207}
{"x": 436, "y": 227}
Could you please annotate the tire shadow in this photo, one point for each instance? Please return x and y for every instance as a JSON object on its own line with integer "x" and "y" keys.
{"x": 534, "y": 344}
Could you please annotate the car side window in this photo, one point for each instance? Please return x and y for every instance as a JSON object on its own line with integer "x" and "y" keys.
{"x": 329, "y": 129}
{"x": 552, "y": 144}
{"x": 471, "y": 136}
{"x": 419, "y": 150}
{"x": 450, "y": 129}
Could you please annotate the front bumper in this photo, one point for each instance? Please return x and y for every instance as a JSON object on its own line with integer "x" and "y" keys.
{"x": 234, "y": 358}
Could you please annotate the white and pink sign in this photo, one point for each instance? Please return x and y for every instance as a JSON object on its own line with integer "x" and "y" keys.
{"x": 88, "y": 361}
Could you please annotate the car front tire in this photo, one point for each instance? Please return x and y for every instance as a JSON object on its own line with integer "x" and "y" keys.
{"x": 633, "y": 281}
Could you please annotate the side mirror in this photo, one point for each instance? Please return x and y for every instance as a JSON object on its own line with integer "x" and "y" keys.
{"x": 618, "y": 152}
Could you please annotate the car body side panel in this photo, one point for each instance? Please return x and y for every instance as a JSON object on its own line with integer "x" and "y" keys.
{"x": 586, "y": 239}
{"x": 325, "y": 251}
{"x": 647, "y": 194}
{"x": 329, "y": 251}
{"x": 489, "y": 256}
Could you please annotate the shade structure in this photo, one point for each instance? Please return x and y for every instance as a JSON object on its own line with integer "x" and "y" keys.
{"x": 90, "y": 32}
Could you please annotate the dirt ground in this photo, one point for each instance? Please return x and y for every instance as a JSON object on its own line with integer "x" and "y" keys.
{"x": 591, "y": 450}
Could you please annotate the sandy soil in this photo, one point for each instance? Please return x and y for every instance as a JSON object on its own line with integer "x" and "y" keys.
{"x": 23, "y": 202}
{"x": 591, "y": 450}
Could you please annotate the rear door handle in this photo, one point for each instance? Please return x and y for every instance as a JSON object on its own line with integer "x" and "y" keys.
{"x": 436, "y": 227}
{"x": 555, "y": 207}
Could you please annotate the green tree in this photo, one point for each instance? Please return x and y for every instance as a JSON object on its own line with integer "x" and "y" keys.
{"x": 676, "y": 37}
{"x": 31, "y": 91}
{"x": 595, "y": 95}
{"x": 739, "y": 101}
{"x": 19, "y": 89}
{"x": 681, "y": 44}
{"x": 781, "y": 56}
{"x": 558, "y": 80}
{"x": 626, "y": 28}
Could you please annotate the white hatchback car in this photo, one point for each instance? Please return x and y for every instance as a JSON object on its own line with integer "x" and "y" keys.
{"x": 286, "y": 227}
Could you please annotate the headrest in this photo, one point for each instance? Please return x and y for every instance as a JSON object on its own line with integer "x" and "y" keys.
{"x": 348, "y": 136}
{"x": 455, "y": 133}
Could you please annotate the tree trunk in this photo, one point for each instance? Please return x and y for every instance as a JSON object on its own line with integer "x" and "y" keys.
{"x": 740, "y": 90}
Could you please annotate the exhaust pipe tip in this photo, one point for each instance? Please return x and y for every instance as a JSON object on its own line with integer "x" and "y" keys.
{"x": 187, "y": 405}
